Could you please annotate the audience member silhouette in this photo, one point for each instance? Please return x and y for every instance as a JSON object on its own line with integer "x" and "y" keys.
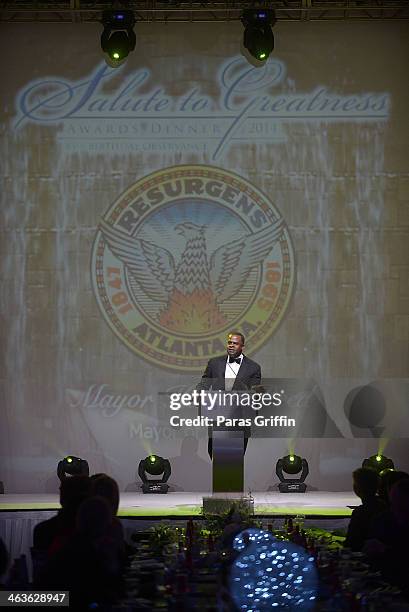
{"x": 89, "y": 564}
{"x": 389, "y": 544}
{"x": 365, "y": 485}
{"x": 104, "y": 486}
{"x": 387, "y": 479}
{"x": 49, "y": 535}
{"x": 4, "y": 561}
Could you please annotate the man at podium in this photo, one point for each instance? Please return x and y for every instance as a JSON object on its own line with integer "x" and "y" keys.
{"x": 234, "y": 372}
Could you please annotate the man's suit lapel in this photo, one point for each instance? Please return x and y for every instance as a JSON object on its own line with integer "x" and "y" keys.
{"x": 221, "y": 371}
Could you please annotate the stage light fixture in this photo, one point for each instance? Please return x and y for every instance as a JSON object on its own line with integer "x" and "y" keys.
{"x": 258, "y": 34}
{"x": 72, "y": 466}
{"x": 292, "y": 465}
{"x": 118, "y": 38}
{"x": 154, "y": 465}
{"x": 379, "y": 463}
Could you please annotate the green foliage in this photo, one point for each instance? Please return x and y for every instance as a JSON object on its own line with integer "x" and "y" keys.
{"x": 330, "y": 539}
{"x": 215, "y": 523}
{"x": 162, "y": 535}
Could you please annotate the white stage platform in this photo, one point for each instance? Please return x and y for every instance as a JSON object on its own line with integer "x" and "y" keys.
{"x": 182, "y": 504}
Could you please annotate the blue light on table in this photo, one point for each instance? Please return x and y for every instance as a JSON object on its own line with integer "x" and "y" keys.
{"x": 271, "y": 574}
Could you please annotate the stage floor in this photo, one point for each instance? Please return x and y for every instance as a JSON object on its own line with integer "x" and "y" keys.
{"x": 184, "y": 504}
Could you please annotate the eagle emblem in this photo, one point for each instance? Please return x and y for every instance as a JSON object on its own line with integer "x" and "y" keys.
{"x": 191, "y": 289}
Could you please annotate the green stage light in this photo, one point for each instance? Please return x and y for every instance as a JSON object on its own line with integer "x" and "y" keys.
{"x": 118, "y": 38}
{"x": 293, "y": 465}
{"x": 258, "y": 35}
{"x": 154, "y": 465}
{"x": 72, "y": 466}
{"x": 378, "y": 462}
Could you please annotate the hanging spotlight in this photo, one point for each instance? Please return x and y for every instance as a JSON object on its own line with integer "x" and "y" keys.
{"x": 292, "y": 465}
{"x": 118, "y": 37}
{"x": 258, "y": 35}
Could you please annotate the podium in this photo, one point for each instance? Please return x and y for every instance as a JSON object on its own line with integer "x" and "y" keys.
{"x": 228, "y": 461}
{"x": 228, "y": 446}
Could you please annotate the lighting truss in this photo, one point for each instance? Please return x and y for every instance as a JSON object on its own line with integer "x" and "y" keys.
{"x": 66, "y": 11}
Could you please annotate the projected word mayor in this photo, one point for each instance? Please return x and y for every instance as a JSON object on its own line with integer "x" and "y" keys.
{"x": 209, "y": 401}
{"x": 253, "y": 105}
{"x": 186, "y": 254}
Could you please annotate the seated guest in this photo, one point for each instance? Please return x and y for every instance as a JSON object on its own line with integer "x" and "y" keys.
{"x": 388, "y": 545}
{"x": 73, "y": 491}
{"x": 106, "y": 487}
{"x": 89, "y": 562}
{"x": 387, "y": 478}
{"x": 365, "y": 485}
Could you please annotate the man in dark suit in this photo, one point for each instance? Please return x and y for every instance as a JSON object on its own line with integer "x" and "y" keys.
{"x": 234, "y": 372}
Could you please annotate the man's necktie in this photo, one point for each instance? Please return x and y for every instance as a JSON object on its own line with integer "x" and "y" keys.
{"x": 232, "y": 360}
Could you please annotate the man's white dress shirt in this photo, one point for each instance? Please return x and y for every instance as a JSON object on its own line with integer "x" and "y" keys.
{"x": 231, "y": 372}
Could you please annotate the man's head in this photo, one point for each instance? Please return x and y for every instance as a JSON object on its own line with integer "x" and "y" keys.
{"x": 387, "y": 478}
{"x": 105, "y": 486}
{"x": 235, "y": 344}
{"x": 365, "y": 482}
{"x": 73, "y": 491}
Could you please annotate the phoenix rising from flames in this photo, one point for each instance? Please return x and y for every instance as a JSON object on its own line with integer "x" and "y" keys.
{"x": 191, "y": 289}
